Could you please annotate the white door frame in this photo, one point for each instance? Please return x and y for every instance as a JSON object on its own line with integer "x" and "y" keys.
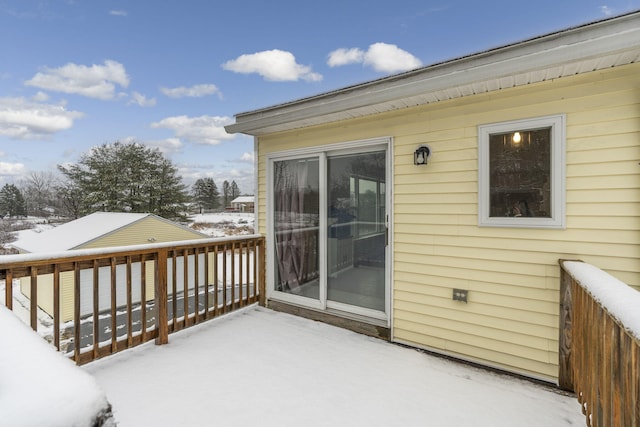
{"x": 321, "y": 153}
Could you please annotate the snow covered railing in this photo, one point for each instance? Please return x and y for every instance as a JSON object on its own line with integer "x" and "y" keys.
{"x": 600, "y": 344}
{"x": 102, "y": 301}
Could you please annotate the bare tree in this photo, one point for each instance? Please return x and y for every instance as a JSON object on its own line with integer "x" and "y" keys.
{"x": 38, "y": 191}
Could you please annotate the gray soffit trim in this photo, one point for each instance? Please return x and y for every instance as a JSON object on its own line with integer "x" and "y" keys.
{"x": 591, "y": 47}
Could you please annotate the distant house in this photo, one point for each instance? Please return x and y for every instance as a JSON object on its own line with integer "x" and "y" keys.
{"x": 98, "y": 230}
{"x": 242, "y": 204}
{"x": 433, "y": 206}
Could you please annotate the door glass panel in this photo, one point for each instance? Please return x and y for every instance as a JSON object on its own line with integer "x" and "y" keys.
{"x": 356, "y": 235}
{"x": 296, "y": 226}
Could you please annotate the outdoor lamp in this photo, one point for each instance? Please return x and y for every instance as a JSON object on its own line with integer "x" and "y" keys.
{"x": 421, "y": 155}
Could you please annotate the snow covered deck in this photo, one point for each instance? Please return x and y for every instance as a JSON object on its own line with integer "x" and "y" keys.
{"x": 260, "y": 367}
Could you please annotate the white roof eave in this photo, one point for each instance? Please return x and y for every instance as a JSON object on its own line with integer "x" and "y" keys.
{"x": 591, "y": 47}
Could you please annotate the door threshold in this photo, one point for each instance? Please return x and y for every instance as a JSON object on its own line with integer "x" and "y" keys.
{"x": 360, "y": 324}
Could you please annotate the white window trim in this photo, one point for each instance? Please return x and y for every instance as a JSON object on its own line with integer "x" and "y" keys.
{"x": 558, "y": 167}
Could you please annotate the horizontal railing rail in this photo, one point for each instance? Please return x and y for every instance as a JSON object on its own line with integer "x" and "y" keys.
{"x": 94, "y": 302}
{"x": 600, "y": 345}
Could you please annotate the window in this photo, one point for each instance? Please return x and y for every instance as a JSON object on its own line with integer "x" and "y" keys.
{"x": 369, "y": 197}
{"x": 521, "y": 173}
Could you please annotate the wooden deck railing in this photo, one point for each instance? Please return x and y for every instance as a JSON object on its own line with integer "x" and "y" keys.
{"x": 125, "y": 296}
{"x": 599, "y": 353}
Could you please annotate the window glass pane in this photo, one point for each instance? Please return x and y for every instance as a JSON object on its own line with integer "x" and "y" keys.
{"x": 520, "y": 174}
{"x": 356, "y": 235}
{"x": 367, "y": 206}
{"x": 296, "y": 226}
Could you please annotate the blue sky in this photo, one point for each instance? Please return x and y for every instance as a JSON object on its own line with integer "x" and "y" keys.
{"x": 170, "y": 74}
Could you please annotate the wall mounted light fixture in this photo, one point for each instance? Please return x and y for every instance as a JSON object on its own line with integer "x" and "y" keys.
{"x": 516, "y": 138}
{"x": 421, "y": 155}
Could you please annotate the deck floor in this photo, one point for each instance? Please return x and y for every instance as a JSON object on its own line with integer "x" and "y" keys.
{"x": 257, "y": 367}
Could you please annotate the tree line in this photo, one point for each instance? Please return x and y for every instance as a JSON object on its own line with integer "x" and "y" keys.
{"x": 115, "y": 177}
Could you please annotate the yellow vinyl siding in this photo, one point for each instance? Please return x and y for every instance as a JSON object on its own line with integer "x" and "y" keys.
{"x": 67, "y": 295}
{"x": 147, "y": 230}
{"x": 45, "y": 291}
{"x": 512, "y": 274}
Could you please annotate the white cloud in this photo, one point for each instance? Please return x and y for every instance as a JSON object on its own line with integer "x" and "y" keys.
{"x": 382, "y": 57}
{"x": 389, "y": 58}
{"x": 200, "y": 130}
{"x": 12, "y": 169}
{"x": 118, "y": 13}
{"x": 247, "y": 158}
{"x": 24, "y": 119}
{"x": 196, "y": 91}
{"x": 166, "y": 146}
{"x": 606, "y": 10}
{"x": 344, "y": 56}
{"x": 95, "y": 81}
{"x": 40, "y": 97}
{"x": 141, "y": 100}
{"x": 272, "y": 65}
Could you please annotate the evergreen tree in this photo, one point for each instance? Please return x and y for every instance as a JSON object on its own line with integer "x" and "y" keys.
{"x": 235, "y": 191}
{"x": 129, "y": 177}
{"x": 12, "y": 202}
{"x": 226, "y": 194}
{"x": 205, "y": 194}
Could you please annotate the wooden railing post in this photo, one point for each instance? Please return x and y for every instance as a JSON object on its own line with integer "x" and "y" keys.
{"x": 76, "y": 312}
{"x": 262, "y": 262}
{"x": 565, "y": 365}
{"x": 56, "y": 306}
{"x": 161, "y": 297}
{"x": 8, "y": 289}
{"x": 33, "y": 299}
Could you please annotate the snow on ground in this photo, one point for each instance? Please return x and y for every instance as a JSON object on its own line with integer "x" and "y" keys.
{"x": 259, "y": 367}
{"x": 40, "y": 387}
{"x": 21, "y": 308}
{"x": 223, "y": 224}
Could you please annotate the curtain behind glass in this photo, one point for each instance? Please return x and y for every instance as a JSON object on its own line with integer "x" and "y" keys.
{"x": 296, "y": 226}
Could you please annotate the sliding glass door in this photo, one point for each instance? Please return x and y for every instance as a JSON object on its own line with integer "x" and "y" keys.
{"x": 328, "y": 230}
{"x": 296, "y": 226}
{"x": 356, "y": 240}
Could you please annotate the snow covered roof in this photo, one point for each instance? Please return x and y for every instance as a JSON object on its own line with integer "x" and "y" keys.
{"x": 243, "y": 199}
{"x": 78, "y": 232}
{"x": 600, "y": 45}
